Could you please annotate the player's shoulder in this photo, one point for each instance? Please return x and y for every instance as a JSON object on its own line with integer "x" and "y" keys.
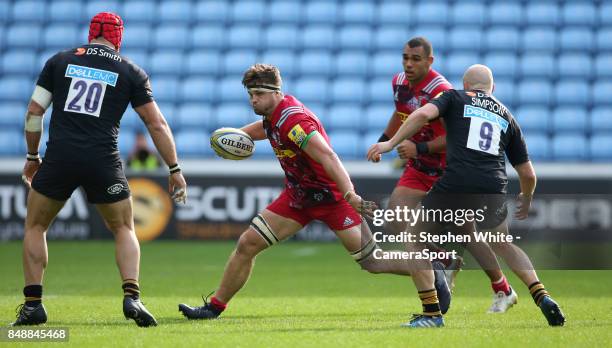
{"x": 436, "y": 83}
{"x": 399, "y": 79}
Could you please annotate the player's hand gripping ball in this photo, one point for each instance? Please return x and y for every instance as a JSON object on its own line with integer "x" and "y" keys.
{"x": 232, "y": 143}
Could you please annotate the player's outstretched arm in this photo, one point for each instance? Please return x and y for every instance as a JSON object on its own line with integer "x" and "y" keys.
{"x": 318, "y": 149}
{"x": 528, "y": 180}
{"x": 164, "y": 143}
{"x": 255, "y": 130}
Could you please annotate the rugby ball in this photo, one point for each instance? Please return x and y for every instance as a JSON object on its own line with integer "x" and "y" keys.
{"x": 232, "y": 143}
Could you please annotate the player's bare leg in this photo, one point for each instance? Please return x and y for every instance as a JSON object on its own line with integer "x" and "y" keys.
{"x": 41, "y": 211}
{"x": 119, "y": 220}
{"x": 258, "y": 237}
{"x": 521, "y": 265}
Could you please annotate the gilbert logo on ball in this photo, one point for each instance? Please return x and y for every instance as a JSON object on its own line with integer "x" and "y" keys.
{"x": 232, "y": 143}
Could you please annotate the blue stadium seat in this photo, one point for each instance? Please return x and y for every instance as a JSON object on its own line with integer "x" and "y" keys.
{"x": 572, "y": 92}
{"x": 24, "y": 11}
{"x": 315, "y": 63}
{"x": 368, "y": 140}
{"x": 569, "y": 119}
{"x": 534, "y": 118}
{"x": 168, "y": 110}
{"x": 2, "y": 39}
{"x": 206, "y": 62}
{"x": 542, "y": 13}
{"x": 43, "y": 58}
{"x": 19, "y": 62}
{"x": 600, "y": 120}
{"x": 387, "y": 64}
{"x": 538, "y": 146}
{"x": 5, "y": 11}
{"x": 512, "y": 14}
{"x": 377, "y": 116}
{"x": 66, "y": 11}
{"x": 311, "y": 89}
{"x": 231, "y": 89}
{"x": 346, "y": 144}
{"x": 191, "y": 143}
{"x": 570, "y": 147}
{"x": 468, "y": 13}
{"x": 535, "y": 92}
{"x": 208, "y": 36}
{"x": 194, "y": 116}
{"x": 138, "y": 11}
{"x": 130, "y": 121}
{"x": 390, "y": 37}
{"x": 504, "y": 90}
{"x": 392, "y": 12}
{"x": 11, "y": 142}
{"x": 11, "y": 115}
{"x": 281, "y": 11}
{"x": 284, "y": 60}
{"x": 538, "y": 65}
{"x": 355, "y": 37}
{"x": 179, "y": 11}
{"x": 281, "y": 36}
{"x": 344, "y": 117}
{"x": 435, "y": 34}
{"x": 234, "y": 115}
{"x": 577, "y": 65}
{"x": 352, "y": 63}
{"x": 502, "y": 64}
{"x": 539, "y": 39}
{"x": 431, "y": 12}
{"x": 603, "y": 39}
{"x": 457, "y": 63}
{"x": 577, "y": 39}
{"x": 62, "y": 36}
{"x": 348, "y": 89}
{"x": 380, "y": 90}
{"x": 605, "y": 14}
{"x": 165, "y": 89}
{"x": 248, "y": 11}
{"x": 198, "y": 89}
{"x": 318, "y": 109}
{"x": 317, "y": 12}
{"x": 171, "y": 36}
{"x": 357, "y": 12}
{"x": 245, "y": 36}
{"x": 95, "y": 7}
{"x": 127, "y": 139}
{"x": 601, "y": 92}
{"x": 502, "y": 39}
{"x": 137, "y": 36}
{"x": 316, "y": 36}
{"x": 466, "y": 38}
{"x": 579, "y": 14}
{"x": 600, "y": 147}
{"x": 24, "y": 35}
{"x": 139, "y": 57}
{"x": 603, "y": 65}
{"x": 16, "y": 88}
{"x": 238, "y": 61}
{"x": 215, "y": 11}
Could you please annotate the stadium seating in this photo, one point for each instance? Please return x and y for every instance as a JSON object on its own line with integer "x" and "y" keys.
{"x": 552, "y": 60}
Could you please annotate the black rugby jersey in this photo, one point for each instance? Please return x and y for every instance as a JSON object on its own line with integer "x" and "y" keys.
{"x": 479, "y": 131}
{"x": 92, "y": 86}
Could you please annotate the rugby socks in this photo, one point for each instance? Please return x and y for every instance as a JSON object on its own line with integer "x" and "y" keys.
{"x": 131, "y": 288}
{"x": 431, "y": 306}
{"x": 33, "y": 295}
{"x": 538, "y": 292}
{"x": 217, "y": 305}
{"x": 501, "y": 285}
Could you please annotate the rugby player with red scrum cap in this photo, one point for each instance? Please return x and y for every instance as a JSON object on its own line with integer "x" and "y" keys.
{"x": 89, "y": 87}
{"x": 317, "y": 187}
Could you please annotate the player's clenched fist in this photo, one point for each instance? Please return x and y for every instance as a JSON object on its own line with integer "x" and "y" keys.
{"x": 362, "y": 206}
{"x": 375, "y": 152}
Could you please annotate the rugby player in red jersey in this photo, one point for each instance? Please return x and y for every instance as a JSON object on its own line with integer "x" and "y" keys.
{"x": 317, "y": 187}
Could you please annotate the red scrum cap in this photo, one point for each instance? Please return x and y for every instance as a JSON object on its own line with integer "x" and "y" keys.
{"x": 109, "y": 26}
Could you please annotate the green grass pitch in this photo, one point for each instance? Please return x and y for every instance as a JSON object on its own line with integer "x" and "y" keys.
{"x": 300, "y": 295}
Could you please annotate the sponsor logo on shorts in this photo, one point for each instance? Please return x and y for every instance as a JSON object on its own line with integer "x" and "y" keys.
{"x": 115, "y": 189}
{"x": 347, "y": 221}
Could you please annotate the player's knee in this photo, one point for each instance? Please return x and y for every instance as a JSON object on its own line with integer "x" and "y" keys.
{"x": 371, "y": 265}
{"x": 365, "y": 257}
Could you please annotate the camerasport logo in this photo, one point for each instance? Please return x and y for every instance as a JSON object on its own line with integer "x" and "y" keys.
{"x": 115, "y": 189}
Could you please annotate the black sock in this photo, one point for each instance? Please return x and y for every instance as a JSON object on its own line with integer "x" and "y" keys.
{"x": 538, "y": 292}
{"x": 131, "y": 288}
{"x": 33, "y": 295}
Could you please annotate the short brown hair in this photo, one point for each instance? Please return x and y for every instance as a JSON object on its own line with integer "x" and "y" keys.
{"x": 262, "y": 74}
{"x": 420, "y": 41}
